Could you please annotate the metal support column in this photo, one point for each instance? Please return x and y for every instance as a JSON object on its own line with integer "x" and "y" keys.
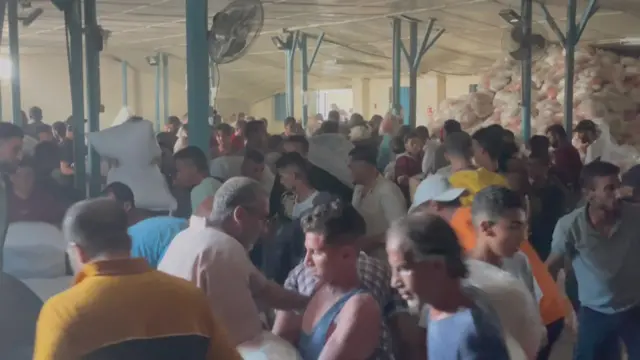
{"x": 570, "y": 40}
{"x": 73, "y": 21}
{"x": 306, "y": 65}
{"x": 93, "y": 46}
{"x": 396, "y": 64}
{"x": 165, "y": 86}
{"x": 527, "y": 19}
{"x": 414, "y": 56}
{"x": 290, "y": 55}
{"x": 158, "y": 122}
{"x": 197, "y": 68}
{"x": 3, "y": 11}
{"x": 14, "y": 49}
{"x": 125, "y": 84}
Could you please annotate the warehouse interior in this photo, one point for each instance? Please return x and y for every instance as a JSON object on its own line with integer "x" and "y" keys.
{"x": 356, "y": 52}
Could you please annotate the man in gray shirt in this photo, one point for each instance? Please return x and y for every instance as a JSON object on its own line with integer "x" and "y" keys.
{"x": 601, "y": 239}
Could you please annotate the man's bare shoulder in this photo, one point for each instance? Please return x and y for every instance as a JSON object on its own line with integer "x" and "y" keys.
{"x": 362, "y": 305}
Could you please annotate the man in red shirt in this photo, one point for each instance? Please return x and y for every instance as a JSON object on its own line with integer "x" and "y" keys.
{"x": 566, "y": 158}
{"x": 237, "y": 139}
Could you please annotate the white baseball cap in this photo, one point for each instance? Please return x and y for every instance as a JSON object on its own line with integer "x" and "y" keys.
{"x": 435, "y": 187}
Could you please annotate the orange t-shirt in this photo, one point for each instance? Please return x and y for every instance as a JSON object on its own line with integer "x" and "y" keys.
{"x": 552, "y": 305}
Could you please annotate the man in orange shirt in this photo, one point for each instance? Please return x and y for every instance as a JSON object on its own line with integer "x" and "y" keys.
{"x": 430, "y": 198}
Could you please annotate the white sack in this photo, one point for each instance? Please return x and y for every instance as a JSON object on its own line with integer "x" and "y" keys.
{"x": 34, "y": 250}
{"x": 46, "y": 288}
{"x": 123, "y": 115}
{"x": 268, "y": 346}
{"x": 330, "y": 152}
{"x": 131, "y": 143}
{"x": 149, "y": 186}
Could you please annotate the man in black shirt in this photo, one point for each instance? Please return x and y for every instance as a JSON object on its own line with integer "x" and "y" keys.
{"x": 319, "y": 178}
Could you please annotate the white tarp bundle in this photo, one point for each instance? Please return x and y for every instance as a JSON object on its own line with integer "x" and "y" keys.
{"x": 606, "y": 90}
{"x": 330, "y": 152}
{"x": 268, "y": 346}
{"x": 34, "y": 250}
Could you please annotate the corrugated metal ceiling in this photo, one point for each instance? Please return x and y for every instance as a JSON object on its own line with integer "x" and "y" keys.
{"x": 472, "y": 40}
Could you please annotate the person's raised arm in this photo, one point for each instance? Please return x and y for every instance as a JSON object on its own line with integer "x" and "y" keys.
{"x": 273, "y": 295}
{"x": 357, "y": 332}
{"x": 288, "y": 323}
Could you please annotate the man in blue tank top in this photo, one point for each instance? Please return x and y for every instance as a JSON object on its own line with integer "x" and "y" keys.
{"x": 341, "y": 321}
{"x": 428, "y": 269}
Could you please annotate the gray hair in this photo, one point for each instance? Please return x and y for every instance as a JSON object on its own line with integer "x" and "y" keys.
{"x": 424, "y": 236}
{"x": 98, "y": 226}
{"x": 235, "y": 192}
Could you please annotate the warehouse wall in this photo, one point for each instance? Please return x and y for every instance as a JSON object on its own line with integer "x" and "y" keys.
{"x": 45, "y": 83}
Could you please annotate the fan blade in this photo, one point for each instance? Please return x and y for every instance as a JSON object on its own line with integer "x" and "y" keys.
{"x": 519, "y": 54}
{"x": 538, "y": 41}
{"x": 517, "y": 35}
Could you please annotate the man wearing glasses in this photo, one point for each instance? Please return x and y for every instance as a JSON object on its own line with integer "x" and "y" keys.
{"x": 214, "y": 257}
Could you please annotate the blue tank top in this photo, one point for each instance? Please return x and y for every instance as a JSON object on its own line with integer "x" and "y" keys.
{"x": 311, "y": 345}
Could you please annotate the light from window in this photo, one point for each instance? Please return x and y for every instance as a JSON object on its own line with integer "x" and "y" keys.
{"x": 5, "y": 69}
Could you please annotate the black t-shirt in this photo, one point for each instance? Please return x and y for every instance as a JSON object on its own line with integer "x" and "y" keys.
{"x": 66, "y": 151}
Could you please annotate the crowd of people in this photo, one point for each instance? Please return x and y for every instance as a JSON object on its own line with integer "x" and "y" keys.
{"x": 441, "y": 247}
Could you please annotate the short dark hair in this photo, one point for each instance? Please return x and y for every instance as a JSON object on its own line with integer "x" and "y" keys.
{"x": 174, "y": 121}
{"x": 299, "y": 139}
{"x": 46, "y": 155}
{"x": 9, "y": 131}
{"x": 459, "y": 145}
{"x": 60, "y": 128}
{"x": 254, "y": 127}
{"x": 557, "y": 130}
{"x": 334, "y": 220}
{"x": 98, "y": 226}
{"x": 493, "y": 202}
{"x": 586, "y": 126}
{"x": 225, "y": 129}
{"x": 539, "y": 144}
{"x": 295, "y": 160}
{"x": 329, "y": 126}
{"x": 422, "y": 131}
{"x": 289, "y": 120}
{"x": 487, "y": 140}
{"x": 254, "y": 155}
{"x": 451, "y": 126}
{"x": 334, "y": 115}
{"x": 424, "y": 235}
{"x": 121, "y": 192}
{"x": 411, "y": 135}
{"x": 597, "y": 169}
{"x": 366, "y": 153}
{"x": 196, "y": 156}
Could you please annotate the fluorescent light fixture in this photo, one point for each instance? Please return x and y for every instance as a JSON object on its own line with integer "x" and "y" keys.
{"x": 30, "y": 16}
{"x": 510, "y": 16}
{"x": 152, "y": 60}
{"x": 278, "y": 42}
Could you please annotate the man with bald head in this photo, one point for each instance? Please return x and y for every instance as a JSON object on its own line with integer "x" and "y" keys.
{"x": 119, "y": 307}
{"x": 214, "y": 257}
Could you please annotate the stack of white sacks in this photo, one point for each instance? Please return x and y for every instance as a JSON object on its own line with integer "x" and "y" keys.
{"x": 606, "y": 90}
{"x": 133, "y": 146}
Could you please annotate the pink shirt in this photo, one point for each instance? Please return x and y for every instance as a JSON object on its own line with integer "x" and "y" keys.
{"x": 220, "y": 266}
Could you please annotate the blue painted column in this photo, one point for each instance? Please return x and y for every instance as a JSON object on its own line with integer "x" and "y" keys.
{"x": 14, "y": 50}
{"x": 527, "y": 14}
{"x": 165, "y": 87}
{"x": 290, "y": 54}
{"x": 158, "y": 122}
{"x": 93, "y": 47}
{"x": 413, "y": 75}
{"x": 569, "y": 64}
{"x": 396, "y": 64}
{"x": 3, "y": 11}
{"x": 306, "y": 64}
{"x": 73, "y": 19}
{"x": 125, "y": 83}
{"x": 197, "y": 68}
